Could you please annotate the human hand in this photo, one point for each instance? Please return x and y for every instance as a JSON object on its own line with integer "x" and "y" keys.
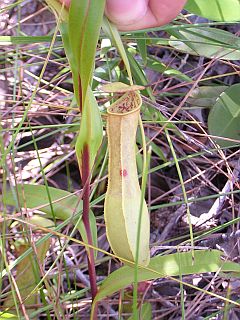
{"x": 140, "y": 14}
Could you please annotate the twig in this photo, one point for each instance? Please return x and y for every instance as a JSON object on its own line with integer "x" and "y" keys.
{"x": 219, "y": 202}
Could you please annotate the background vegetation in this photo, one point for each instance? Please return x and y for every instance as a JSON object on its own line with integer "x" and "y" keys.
{"x": 190, "y": 70}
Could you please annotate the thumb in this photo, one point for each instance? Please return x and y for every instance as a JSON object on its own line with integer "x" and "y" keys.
{"x": 126, "y": 12}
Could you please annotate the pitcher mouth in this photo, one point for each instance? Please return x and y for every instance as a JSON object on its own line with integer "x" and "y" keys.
{"x": 130, "y": 102}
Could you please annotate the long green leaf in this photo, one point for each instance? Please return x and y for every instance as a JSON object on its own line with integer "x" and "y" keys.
{"x": 81, "y": 37}
{"x": 27, "y": 275}
{"x": 207, "y": 42}
{"x": 112, "y": 32}
{"x": 139, "y": 75}
{"x": 145, "y": 312}
{"x": 63, "y": 203}
{"x": 85, "y": 19}
{"x": 164, "y": 266}
{"x": 91, "y": 132}
{"x": 218, "y": 10}
{"x": 224, "y": 117}
{"x": 157, "y": 65}
{"x": 7, "y": 316}
{"x": 64, "y": 28}
{"x": 205, "y": 96}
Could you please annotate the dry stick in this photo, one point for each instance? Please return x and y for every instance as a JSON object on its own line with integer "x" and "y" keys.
{"x": 184, "y": 100}
{"x": 22, "y": 306}
{"x": 219, "y": 202}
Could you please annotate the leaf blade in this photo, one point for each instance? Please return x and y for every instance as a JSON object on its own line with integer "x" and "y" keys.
{"x": 91, "y": 131}
{"x": 224, "y": 117}
{"x": 31, "y": 196}
{"x": 207, "y": 42}
{"x": 218, "y": 10}
{"x": 163, "y": 266}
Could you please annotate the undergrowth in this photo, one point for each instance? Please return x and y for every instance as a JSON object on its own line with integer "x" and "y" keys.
{"x": 188, "y": 69}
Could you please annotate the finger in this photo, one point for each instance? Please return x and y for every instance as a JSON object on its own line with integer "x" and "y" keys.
{"x": 165, "y": 10}
{"x": 66, "y": 2}
{"x": 157, "y": 13}
{"x": 126, "y": 12}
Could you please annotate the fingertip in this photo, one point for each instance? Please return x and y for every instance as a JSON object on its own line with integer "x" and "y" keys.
{"x": 165, "y": 10}
{"x": 125, "y": 12}
{"x": 66, "y": 3}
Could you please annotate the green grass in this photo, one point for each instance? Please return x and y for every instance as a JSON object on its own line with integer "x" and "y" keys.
{"x": 37, "y": 108}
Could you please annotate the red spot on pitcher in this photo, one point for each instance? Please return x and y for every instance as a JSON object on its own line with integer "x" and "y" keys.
{"x": 123, "y": 173}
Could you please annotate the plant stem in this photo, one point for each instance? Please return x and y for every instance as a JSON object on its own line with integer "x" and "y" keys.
{"x": 85, "y": 216}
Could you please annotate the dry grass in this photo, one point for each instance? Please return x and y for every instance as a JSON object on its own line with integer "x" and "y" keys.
{"x": 43, "y": 148}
